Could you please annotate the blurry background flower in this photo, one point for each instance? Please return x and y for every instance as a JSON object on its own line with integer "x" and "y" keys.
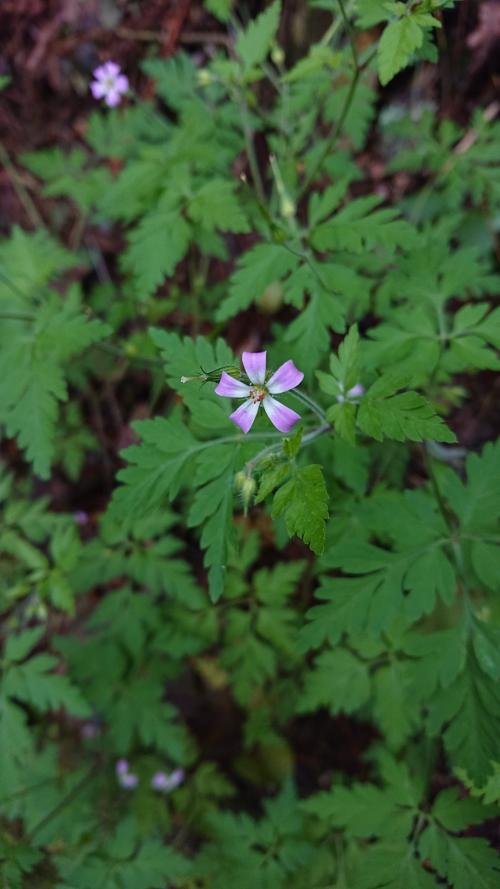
{"x": 109, "y": 84}
{"x": 165, "y": 783}
{"x": 126, "y": 779}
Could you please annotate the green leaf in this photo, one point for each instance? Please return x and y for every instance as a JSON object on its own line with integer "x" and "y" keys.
{"x": 33, "y": 682}
{"x": 363, "y": 810}
{"x": 154, "y": 475}
{"x": 406, "y": 415}
{"x": 215, "y": 206}
{"x": 19, "y": 646}
{"x": 29, "y": 396}
{"x": 254, "y": 43}
{"x": 359, "y": 227}
{"x": 399, "y": 41}
{"x": 158, "y": 243}
{"x": 390, "y": 864}
{"x": 257, "y": 269}
{"x": 221, "y": 9}
{"x": 338, "y": 681}
{"x": 303, "y": 502}
{"x": 310, "y": 331}
{"x": 463, "y": 862}
{"x": 470, "y": 708}
{"x": 213, "y": 509}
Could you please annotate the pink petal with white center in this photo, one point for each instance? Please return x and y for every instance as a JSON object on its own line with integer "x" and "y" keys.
{"x": 282, "y": 417}
{"x": 255, "y": 366}
{"x": 286, "y": 377}
{"x": 245, "y": 415}
{"x": 97, "y": 89}
{"x": 228, "y": 387}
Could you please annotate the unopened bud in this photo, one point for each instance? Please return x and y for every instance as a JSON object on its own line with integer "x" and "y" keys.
{"x": 287, "y": 208}
{"x": 277, "y": 55}
{"x": 202, "y": 377}
{"x": 246, "y": 486}
{"x": 205, "y": 77}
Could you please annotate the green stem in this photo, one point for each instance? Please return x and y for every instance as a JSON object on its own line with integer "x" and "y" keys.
{"x": 301, "y": 396}
{"x": 274, "y": 449}
{"x": 337, "y": 129}
{"x": 15, "y": 316}
{"x": 454, "y": 541}
{"x": 250, "y": 150}
{"x": 350, "y": 34}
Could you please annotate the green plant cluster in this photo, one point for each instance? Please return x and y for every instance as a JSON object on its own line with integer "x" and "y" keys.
{"x": 237, "y": 601}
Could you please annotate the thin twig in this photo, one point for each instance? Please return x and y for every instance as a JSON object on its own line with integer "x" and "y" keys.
{"x": 337, "y": 129}
{"x": 20, "y": 189}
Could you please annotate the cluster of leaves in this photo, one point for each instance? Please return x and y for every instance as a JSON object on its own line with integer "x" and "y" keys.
{"x": 226, "y": 602}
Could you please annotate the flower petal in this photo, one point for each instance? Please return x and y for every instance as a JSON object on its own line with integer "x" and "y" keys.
{"x": 228, "y": 387}
{"x": 121, "y": 83}
{"x": 97, "y": 89}
{"x": 111, "y": 69}
{"x": 100, "y": 72}
{"x": 255, "y": 366}
{"x": 113, "y": 98}
{"x": 286, "y": 377}
{"x": 356, "y": 391}
{"x": 282, "y": 417}
{"x": 245, "y": 415}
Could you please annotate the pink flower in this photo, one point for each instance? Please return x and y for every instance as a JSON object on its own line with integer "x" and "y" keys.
{"x": 259, "y": 392}
{"x": 109, "y": 84}
{"x": 126, "y": 779}
{"x": 166, "y": 783}
{"x": 355, "y": 392}
{"x": 121, "y": 767}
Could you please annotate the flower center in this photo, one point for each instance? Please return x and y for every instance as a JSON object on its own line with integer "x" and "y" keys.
{"x": 257, "y": 394}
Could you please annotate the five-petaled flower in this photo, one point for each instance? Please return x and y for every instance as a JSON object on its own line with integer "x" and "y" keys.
{"x": 109, "y": 84}
{"x": 260, "y": 392}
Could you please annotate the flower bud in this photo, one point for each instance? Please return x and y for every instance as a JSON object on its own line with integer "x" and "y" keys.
{"x": 246, "y": 486}
{"x": 205, "y": 77}
{"x": 287, "y": 208}
{"x": 277, "y": 55}
{"x": 201, "y": 377}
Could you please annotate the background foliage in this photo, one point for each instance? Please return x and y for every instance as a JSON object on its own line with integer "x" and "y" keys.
{"x": 306, "y": 626}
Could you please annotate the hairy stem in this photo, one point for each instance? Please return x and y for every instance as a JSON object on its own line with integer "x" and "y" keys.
{"x": 250, "y": 150}
{"x": 275, "y": 449}
{"x": 315, "y": 408}
{"x": 337, "y": 128}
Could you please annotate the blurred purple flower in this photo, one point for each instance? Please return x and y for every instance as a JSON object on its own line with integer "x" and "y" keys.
{"x": 165, "y": 783}
{"x": 80, "y": 517}
{"x": 354, "y": 392}
{"x": 259, "y": 393}
{"x": 91, "y": 729}
{"x": 126, "y": 779}
{"x": 109, "y": 84}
